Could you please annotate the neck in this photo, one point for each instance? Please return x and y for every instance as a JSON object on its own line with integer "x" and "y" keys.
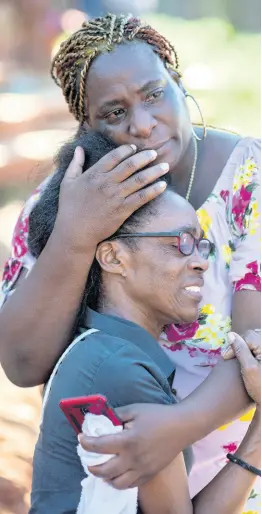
{"x": 135, "y": 313}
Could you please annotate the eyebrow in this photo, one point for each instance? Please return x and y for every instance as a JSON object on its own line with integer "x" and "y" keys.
{"x": 113, "y": 103}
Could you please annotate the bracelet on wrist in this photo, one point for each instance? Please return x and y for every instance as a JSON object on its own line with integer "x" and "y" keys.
{"x": 236, "y": 460}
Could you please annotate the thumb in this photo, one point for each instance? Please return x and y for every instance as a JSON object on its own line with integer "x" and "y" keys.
{"x": 240, "y": 348}
{"x": 75, "y": 168}
{"x": 126, "y": 413}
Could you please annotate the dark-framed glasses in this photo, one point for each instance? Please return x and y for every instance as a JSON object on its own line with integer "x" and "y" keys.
{"x": 186, "y": 242}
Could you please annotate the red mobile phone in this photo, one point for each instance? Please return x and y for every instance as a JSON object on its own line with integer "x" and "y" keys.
{"x": 76, "y": 408}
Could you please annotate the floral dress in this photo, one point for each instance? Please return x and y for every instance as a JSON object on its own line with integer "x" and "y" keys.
{"x": 230, "y": 219}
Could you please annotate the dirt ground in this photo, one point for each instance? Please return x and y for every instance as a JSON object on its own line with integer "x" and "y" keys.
{"x": 19, "y": 418}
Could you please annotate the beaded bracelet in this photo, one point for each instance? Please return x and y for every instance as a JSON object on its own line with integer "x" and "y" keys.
{"x": 244, "y": 464}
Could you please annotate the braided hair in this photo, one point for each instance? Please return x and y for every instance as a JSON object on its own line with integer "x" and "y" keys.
{"x": 73, "y": 60}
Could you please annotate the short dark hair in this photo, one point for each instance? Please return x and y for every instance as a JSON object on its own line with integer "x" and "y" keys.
{"x": 43, "y": 216}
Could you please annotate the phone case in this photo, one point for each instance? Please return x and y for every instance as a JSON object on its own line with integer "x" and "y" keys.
{"x": 76, "y": 408}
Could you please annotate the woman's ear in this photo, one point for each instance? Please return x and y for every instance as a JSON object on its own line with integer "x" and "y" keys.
{"x": 112, "y": 257}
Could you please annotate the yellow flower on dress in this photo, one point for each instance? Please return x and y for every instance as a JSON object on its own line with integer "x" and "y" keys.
{"x": 224, "y": 427}
{"x": 212, "y": 328}
{"x": 227, "y": 254}
{"x": 251, "y": 512}
{"x": 245, "y": 175}
{"x": 208, "y": 309}
{"x": 205, "y": 220}
{"x": 253, "y": 219}
{"x": 248, "y": 416}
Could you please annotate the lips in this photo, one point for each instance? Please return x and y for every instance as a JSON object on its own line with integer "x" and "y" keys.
{"x": 155, "y": 146}
{"x": 193, "y": 291}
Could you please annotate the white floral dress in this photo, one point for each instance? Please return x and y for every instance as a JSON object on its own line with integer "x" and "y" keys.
{"x": 230, "y": 219}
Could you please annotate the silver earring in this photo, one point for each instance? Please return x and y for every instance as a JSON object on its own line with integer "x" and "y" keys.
{"x": 187, "y": 95}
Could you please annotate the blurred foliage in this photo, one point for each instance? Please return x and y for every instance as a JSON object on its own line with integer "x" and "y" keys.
{"x": 232, "y": 62}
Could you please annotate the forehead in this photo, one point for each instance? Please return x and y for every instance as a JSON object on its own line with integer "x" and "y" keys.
{"x": 173, "y": 213}
{"x": 128, "y": 67}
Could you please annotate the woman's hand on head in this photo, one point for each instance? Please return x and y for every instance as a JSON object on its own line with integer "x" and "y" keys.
{"x": 94, "y": 204}
{"x": 247, "y": 350}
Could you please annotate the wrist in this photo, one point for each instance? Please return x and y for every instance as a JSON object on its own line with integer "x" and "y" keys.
{"x": 62, "y": 239}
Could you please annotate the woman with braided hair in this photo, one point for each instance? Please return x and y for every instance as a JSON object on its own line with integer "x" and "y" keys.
{"x": 121, "y": 78}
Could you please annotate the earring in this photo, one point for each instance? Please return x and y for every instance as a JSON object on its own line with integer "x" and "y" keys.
{"x": 187, "y": 95}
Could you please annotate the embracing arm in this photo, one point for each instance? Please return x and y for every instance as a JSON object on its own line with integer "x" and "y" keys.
{"x": 227, "y": 493}
{"x": 142, "y": 454}
{"x": 37, "y": 320}
{"x": 42, "y": 310}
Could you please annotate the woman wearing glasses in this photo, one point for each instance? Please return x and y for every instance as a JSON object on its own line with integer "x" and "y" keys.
{"x": 147, "y": 275}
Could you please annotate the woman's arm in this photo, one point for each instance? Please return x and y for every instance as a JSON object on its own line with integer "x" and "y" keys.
{"x": 37, "y": 319}
{"x": 227, "y": 493}
{"x": 142, "y": 453}
{"x": 229, "y": 490}
{"x": 174, "y": 428}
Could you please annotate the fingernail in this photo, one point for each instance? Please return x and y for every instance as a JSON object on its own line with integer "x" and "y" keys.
{"x": 164, "y": 166}
{"x": 153, "y": 154}
{"x": 162, "y": 185}
{"x": 225, "y": 351}
{"x": 134, "y": 147}
{"x": 231, "y": 337}
{"x": 79, "y": 438}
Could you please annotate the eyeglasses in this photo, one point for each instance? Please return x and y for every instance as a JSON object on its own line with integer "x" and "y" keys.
{"x": 186, "y": 241}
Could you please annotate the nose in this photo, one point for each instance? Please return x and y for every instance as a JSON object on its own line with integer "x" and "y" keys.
{"x": 141, "y": 123}
{"x": 197, "y": 262}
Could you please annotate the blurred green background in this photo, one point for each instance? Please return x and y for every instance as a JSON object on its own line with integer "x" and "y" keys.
{"x": 218, "y": 43}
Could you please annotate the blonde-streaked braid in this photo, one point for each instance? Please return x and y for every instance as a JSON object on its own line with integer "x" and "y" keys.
{"x": 73, "y": 60}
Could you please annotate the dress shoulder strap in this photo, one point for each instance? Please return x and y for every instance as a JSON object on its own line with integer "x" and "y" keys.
{"x": 60, "y": 360}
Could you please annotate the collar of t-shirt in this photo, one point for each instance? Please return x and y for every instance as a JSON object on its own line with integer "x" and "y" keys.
{"x": 125, "y": 329}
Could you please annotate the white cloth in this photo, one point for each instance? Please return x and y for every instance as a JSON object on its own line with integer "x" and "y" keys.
{"x": 97, "y": 496}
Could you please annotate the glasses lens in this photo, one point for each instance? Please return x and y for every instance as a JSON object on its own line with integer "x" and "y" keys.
{"x": 187, "y": 243}
{"x": 204, "y": 247}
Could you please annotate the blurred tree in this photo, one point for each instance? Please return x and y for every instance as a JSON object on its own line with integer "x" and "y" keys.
{"x": 243, "y": 14}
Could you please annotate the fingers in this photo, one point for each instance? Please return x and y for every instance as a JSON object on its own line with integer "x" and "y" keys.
{"x": 110, "y": 470}
{"x": 126, "y": 413}
{"x": 253, "y": 340}
{"x": 75, "y": 168}
{"x": 125, "y": 481}
{"x": 241, "y": 350}
{"x": 111, "y": 160}
{"x": 134, "y": 163}
{"x": 111, "y": 444}
{"x": 145, "y": 195}
{"x": 143, "y": 178}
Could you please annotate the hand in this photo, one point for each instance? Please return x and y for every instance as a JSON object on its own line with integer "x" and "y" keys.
{"x": 248, "y": 353}
{"x": 138, "y": 458}
{"x": 93, "y": 204}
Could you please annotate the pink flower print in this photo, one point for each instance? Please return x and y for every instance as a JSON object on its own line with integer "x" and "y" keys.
{"x": 20, "y": 238}
{"x": 175, "y": 347}
{"x": 224, "y": 195}
{"x": 251, "y": 278}
{"x": 177, "y": 333}
{"x": 240, "y": 204}
{"x": 253, "y": 266}
{"x": 11, "y": 270}
{"x": 230, "y": 447}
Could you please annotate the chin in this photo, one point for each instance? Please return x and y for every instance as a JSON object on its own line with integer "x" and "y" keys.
{"x": 187, "y": 317}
